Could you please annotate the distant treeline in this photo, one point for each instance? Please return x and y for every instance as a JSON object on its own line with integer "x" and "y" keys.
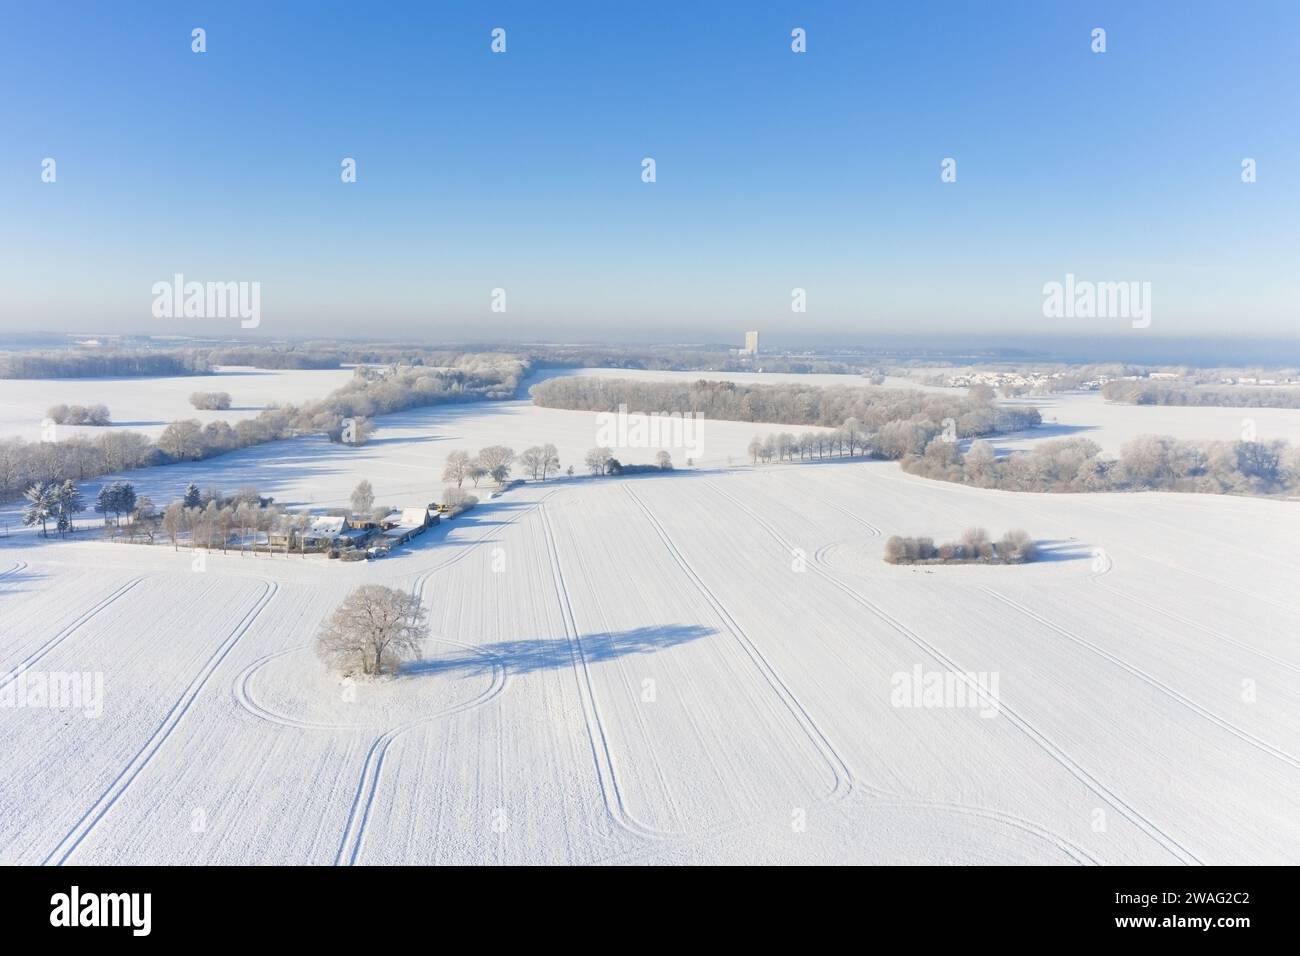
{"x": 790, "y": 404}
{"x": 101, "y": 364}
{"x": 273, "y": 358}
{"x": 1146, "y": 463}
{"x": 668, "y": 359}
{"x": 1139, "y": 392}
{"x": 343, "y": 416}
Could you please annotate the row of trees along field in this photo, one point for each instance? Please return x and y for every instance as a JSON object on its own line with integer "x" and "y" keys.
{"x": 343, "y": 416}
{"x": 973, "y": 414}
{"x": 539, "y": 462}
{"x": 495, "y": 462}
{"x": 1139, "y": 392}
{"x": 102, "y": 363}
{"x": 1145, "y": 463}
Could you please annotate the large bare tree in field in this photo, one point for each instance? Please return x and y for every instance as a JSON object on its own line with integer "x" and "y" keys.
{"x": 457, "y": 467}
{"x": 373, "y": 631}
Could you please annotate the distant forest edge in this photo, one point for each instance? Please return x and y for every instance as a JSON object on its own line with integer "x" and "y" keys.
{"x": 969, "y": 415}
{"x": 345, "y": 416}
{"x": 1154, "y": 393}
{"x": 159, "y": 363}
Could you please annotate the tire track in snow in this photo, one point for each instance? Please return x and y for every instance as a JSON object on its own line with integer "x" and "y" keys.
{"x": 1187, "y": 622}
{"x": 77, "y": 835}
{"x": 640, "y": 717}
{"x": 354, "y": 832}
{"x": 468, "y": 547}
{"x": 1289, "y": 609}
{"x": 243, "y": 694}
{"x": 12, "y": 674}
{"x": 1151, "y": 680}
{"x": 839, "y": 767}
{"x": 1022, "y": 724}
{"x": 610, "y": 792}
{"x": 14, "y": 570}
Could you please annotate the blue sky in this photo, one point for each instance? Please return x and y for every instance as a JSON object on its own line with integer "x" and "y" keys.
{"x": 775, "y": 170}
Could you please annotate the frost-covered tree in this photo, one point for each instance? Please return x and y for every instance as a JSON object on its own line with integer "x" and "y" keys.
{"x": 596, "y": 458}
{"x": 457, "y": 467}
{"x": 173, "y": 521}
{"x": 550, "y": 459}
{"x": 373, "y": 631}
{"x": 664, "y": 461}
{"x": 182, "y": 441}
{"x": 531, "y": 459}
{"x": 116, "y": 498}
{"x": 42, "y": 501}
{"x": 192, "y": 496}
{"x": 70, "y": 503}
{"x": 496, "y": 457}
{"x": 363, "y": 498}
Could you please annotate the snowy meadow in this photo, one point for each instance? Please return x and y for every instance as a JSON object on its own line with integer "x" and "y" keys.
{"x": 712, "y": 664}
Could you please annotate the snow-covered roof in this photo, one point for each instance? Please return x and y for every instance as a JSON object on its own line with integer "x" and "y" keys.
{"x": 327, "y": 524}
{"x": 414, "y": 517}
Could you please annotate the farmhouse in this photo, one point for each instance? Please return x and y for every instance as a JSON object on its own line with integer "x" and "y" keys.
{"x": 324, "y": 531}
{"x": 400, "y": 527}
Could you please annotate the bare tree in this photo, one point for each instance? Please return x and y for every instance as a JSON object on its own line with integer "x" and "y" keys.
{"x": 457, "y": 467}
{"x": 550, "y": 459}
{"x": 532, "y": 459}
{"x": 596, "y": 458}
{"x": 363, "y": 498}
{"x": 373, "y": 631}
{"x": 173, "y": 521}
{"x": 496, "y": 456}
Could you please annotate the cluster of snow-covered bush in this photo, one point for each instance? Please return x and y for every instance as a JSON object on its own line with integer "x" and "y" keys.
{"x": 601, "y": 461}
{"x": 975, "y": 547}
{"x": 210, "y": 401}
{"x": 457, "y": 501}
{"x": 79, "y": 414}
{"x": 1145, "y": 463}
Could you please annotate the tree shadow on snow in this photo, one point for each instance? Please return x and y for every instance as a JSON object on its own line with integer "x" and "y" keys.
{"x": 1063, "y": 550}
{"x": 539, "y": 654}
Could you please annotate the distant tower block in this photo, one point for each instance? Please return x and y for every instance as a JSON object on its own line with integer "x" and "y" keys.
{"x": 751, "y": 343}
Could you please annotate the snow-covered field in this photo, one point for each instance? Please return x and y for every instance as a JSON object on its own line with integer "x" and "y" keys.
{"x": 696, "y": 667}
{"x": 1110, "y": 424}
{"x": 148, "y": 405}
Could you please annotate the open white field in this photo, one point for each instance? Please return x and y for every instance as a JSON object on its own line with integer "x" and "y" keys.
{"x": 1110, "y": 424}
{"x": 697, "y": 667}
{"x": 148, "y": 405}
